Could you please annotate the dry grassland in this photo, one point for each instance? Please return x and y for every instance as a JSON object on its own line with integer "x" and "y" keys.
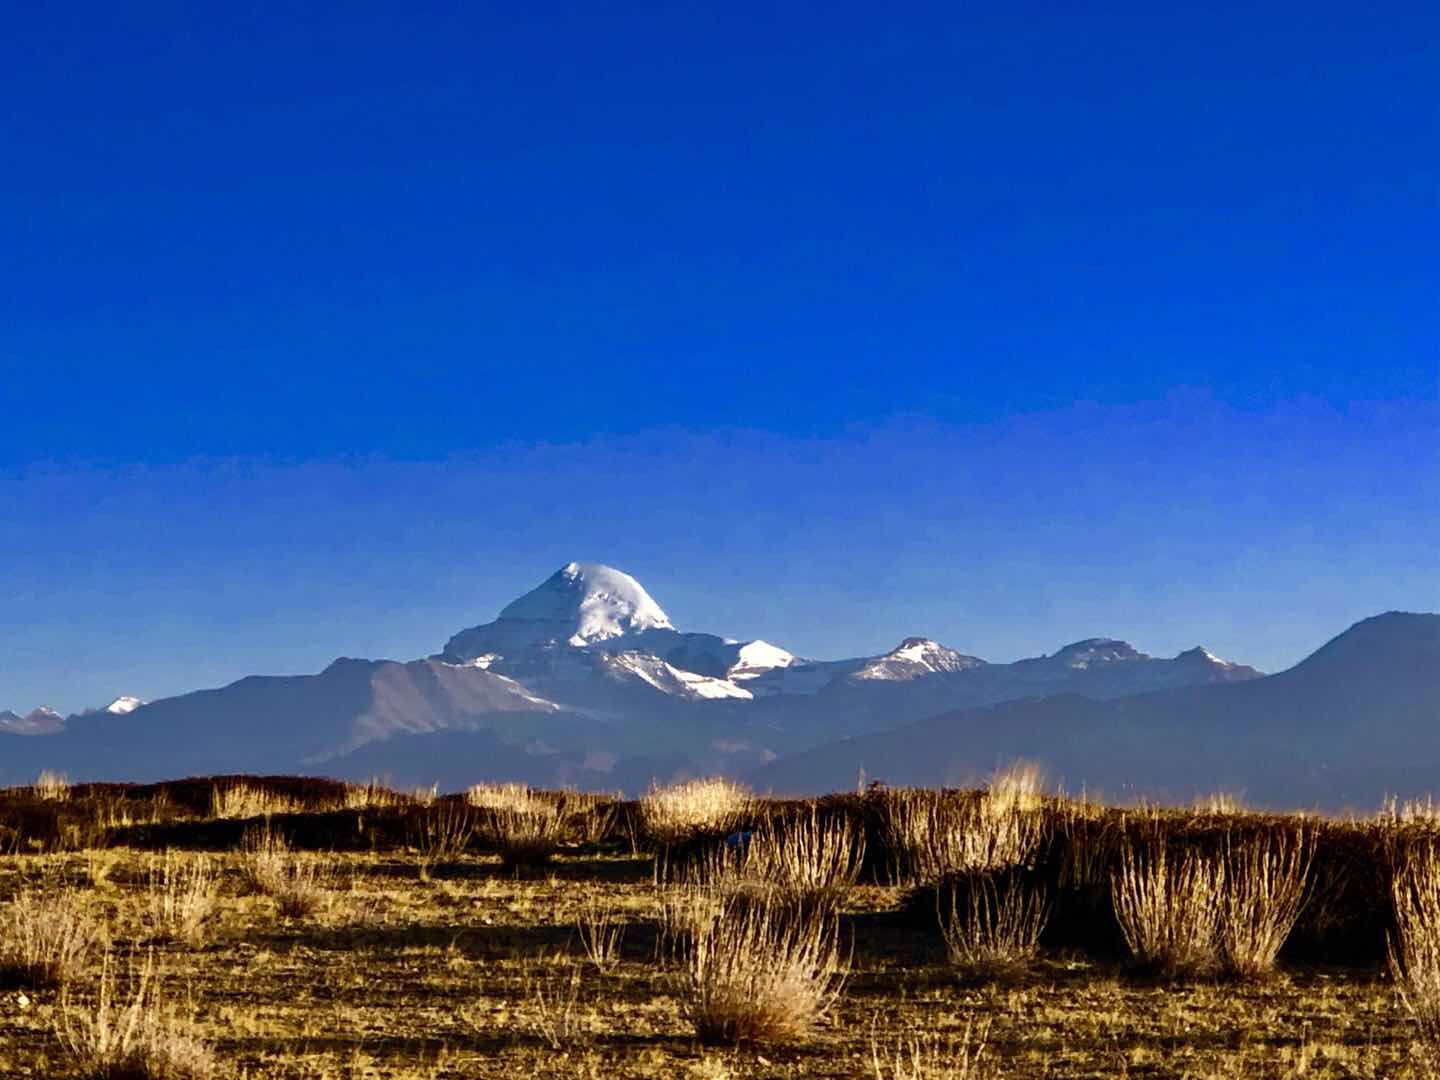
{"x": 164, "y": 932}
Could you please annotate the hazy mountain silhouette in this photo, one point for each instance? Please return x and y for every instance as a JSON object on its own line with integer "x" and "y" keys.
{"x": 1358, "y": 718}
{"x": 586, "y": 680}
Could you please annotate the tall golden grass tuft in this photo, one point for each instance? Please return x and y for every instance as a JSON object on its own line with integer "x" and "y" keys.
{"x": 524, "y": 827}
{"x": 182, "y": 894}
{"x": 306, "y": 886}
{"x": 1018, "y": 786}
{"x": 601, "y": 933}
{"x": 1424, "y": 812}
{"x": 506, "y": 796}
{"x": 759, "y": 971}
{"x": 1168, "y": 904}
{"x": 1414, "y": 951}
{"x": 922, "y": 1055}
{"x": 376, "y": 795}
{"x": 809, "y": 856}
{"x": 443, "y": 834}
{"x": 992, "y": 923}
{"x": 1266, "y": 886}
{"x": 678, "y": 812}
{"x": 300, "y": 885}
{"x": 51, "y": 786}
{"x": 141, "y": 1038}
{"x": 1219, "y": 804}
{"x": 46, "y": 938}
{"x": 932, "y": 835}
{"x": 805, "y": 859}
{"x": 242, "y": 801}
{"x": 263, "y": 856}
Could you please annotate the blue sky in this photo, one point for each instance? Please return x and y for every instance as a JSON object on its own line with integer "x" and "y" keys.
{"x": 330, "y": 332}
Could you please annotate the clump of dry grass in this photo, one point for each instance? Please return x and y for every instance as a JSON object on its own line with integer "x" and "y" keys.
{"x": 299, "y": 884}
{"x": 118, "y": 812}
{"x": 1266, "y": 885}
{"x": 678, "y": 812}
{"x": 1018, "y": 786}
{"x": 809, "y": 857}
{"x": 991, "y": 925}
{"x": 1219, "y": 803}
{"x": 1414, "y": 951}
{"x": 137, "y": 1039}
{"x": 923, "y": 1055}
{"x": 806, "y": 859}
{"x": 182, "y": 896}
{"x": 523, "y": 827}
{"x": 442, "y": 834}
{"x": 601, "y": 932}
{"x": 1168, "y": 904}
{"x": 46, "y": 939}
{"x": 759, "y": 971}
{"x": 375, "y": 795}
{"x": 242, "y": 801}
{"x": 505, "y": 796}
{"x": 263, "y": 856}
{"x": 306, "y": 887}
{"x": 1421, "y": 812}
{"x": 51, "y": 786}
{"x": 931, "y": 835}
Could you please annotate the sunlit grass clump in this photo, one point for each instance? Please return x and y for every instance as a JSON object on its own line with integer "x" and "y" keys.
{"x": 680, "y": 811}
{"x": 759, "y": 971}
{"x": 47, "y": 938}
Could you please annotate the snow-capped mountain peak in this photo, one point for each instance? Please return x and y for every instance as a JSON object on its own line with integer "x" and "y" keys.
{"x": 914, "y": 657}
{"x": 594, "y": 602}
{"x": 580, "y": 604}
{"x": 754, "y": 658}
{"x": 41, "y": 721}
{"x": 122, "y": 705}
{"x": 1092, "y": 651}
{"x": 1200, "y": 654}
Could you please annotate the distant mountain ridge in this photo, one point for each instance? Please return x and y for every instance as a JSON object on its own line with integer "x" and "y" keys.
{"x": 40, "y": 721}
{"x": 585, "y": 679}
{"x": 1357, "y": 719}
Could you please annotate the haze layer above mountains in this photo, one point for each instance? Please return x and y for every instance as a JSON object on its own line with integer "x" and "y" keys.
{"x": 586, "y": 681}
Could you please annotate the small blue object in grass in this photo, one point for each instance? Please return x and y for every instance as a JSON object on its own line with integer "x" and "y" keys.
{"x": 738, "y": 839}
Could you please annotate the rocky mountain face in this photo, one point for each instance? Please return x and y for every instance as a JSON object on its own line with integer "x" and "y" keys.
{"x": 586, "y": 680}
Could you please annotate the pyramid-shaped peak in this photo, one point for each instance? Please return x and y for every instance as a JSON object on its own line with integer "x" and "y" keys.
{"x": 914, "y": 657}
{"x": 584, "y": 603}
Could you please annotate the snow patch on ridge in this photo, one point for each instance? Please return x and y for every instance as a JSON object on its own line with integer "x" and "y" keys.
{"x": 757, "y": 657}
{"x": 669, "y": 679}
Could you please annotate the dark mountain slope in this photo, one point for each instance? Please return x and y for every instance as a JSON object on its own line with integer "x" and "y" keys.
{"x": 1358, "y": 719}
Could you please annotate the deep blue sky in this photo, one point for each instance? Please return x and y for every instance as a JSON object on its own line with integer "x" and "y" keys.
{"x": 331, "y": 331}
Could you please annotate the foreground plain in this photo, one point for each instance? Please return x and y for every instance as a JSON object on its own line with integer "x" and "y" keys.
{"x": 413, "y": 960}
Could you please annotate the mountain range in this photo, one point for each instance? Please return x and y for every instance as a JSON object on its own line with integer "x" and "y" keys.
{"x": 585, "y": 680}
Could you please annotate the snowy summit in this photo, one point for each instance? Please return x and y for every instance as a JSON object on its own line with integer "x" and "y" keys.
{"x": 592, "y": 602}
{"x": 580, "y": 604}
